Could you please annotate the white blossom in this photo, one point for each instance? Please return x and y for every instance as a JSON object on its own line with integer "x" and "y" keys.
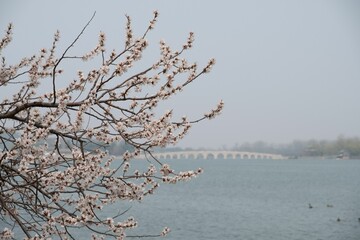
{"x": 55, "y": 165}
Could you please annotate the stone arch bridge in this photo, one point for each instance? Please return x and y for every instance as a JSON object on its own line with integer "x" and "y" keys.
{"x": 216, "y": 155}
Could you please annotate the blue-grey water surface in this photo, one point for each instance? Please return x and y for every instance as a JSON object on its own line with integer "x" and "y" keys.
{"x": 259, "y": 200}
{"x": 253, "y": 200}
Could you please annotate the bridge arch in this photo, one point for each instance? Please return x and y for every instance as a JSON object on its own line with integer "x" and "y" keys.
{"x": 200, "y": 156}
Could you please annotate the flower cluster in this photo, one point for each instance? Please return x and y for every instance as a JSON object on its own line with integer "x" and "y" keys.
{"x": 7, "y": 38}
{"x": 98, "y": 49}
{"x": 215, "y": 111}
{"x": 181, "y": 176}
{"x": 6, "y": 234}
{"x": 56, "y": 173}
{"x": 165, "y": 231}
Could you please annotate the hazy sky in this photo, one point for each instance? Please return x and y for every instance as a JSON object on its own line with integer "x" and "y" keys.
{"x": 285, "y": 69}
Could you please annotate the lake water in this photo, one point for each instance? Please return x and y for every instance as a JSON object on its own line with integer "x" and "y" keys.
{"x": 254, "y": 200}
{"x": 258, "y": 199}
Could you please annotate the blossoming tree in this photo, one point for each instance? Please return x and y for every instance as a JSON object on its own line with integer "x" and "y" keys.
{"x": 52, "y": 178}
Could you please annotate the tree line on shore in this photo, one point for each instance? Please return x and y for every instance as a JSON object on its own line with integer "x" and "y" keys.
{"x": 307, "y": 148}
